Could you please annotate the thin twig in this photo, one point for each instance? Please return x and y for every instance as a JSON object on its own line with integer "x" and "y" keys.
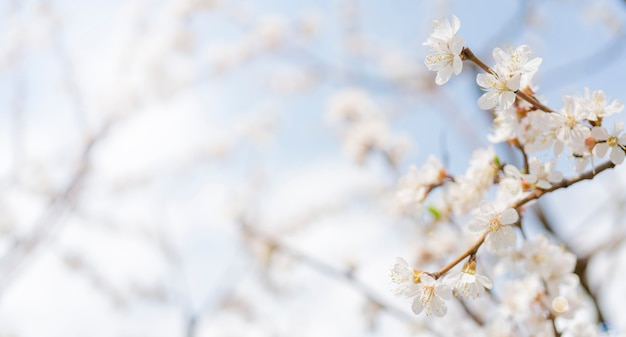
{"x": 467, "y": 54}
{"x": 565, "y": 183}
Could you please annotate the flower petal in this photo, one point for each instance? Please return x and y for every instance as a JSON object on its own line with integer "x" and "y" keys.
{"x": 443, "y": 290}
{"x": 617, "y": 155}
{"x": 600, "y": 150}
{"x": 417, "y": 306}
{"x": 599, "y": 133}
{"x": 443, "y": 75}
{"x": 438, "y": 306}
{"x": 509, "y": 216}
{"x": 488, "y": 100}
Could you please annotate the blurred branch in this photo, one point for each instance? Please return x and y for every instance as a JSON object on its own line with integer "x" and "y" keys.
{"x": 346, "y": 276}
{"x": 49, "y": 221}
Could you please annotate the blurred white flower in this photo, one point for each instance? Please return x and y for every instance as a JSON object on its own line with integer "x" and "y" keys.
{"x": 413, "y": 187}
{"x": 468, "y": 190}
{"x": 349, "y": 104}
{"x": 542, "y": 175}
{"x": 550, "y": 261}
{"x": 596, "y": 103}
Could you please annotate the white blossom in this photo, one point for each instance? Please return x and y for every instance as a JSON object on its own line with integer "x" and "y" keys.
{"x": 551, "y": 262}
{"x": 536, "y": 131}
{"x": 500, "y": 235}
{"x": 404, "y": 277}
{"x": 500, "y": 90}
{"x": 542, "y": 175}
{"x": 467, "y": 283}
{"x": 568, "y": 128}
{"x": 430, "y": 296}
{"x": 414, "y": 186}
{"x": 614, "y": 141}
{"x": 446, "y": 49}
{"x": 596, "y": 103}
{"x": 468, "y": 190}
{"x": 517, "y": 61}
{"x": 506, "y": 125}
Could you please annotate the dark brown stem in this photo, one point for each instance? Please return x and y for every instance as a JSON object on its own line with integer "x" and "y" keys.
{"x": 467, "y": 54}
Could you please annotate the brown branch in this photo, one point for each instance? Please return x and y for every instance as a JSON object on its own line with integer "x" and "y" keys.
{"x": 471, "y": 250}
{"x": 565, "y": 183}
{"x": 467, "y": 54}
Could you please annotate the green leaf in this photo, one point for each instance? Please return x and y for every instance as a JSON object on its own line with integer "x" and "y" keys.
{"x": 434, "y": 212}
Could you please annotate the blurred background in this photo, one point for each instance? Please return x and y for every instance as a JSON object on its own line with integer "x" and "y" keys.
{"x": 203, "y": 167}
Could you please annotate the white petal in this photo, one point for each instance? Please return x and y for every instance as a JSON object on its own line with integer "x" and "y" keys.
{"x": 402, "y": 262}
{"x": 533, "y": 64}
{"x": 476, "y": 226}
{"x": 512, "y": 171}
{"x": 514, "y": 82}
{"x": 457, "y": 65}
{"x": 438, "y": 306}
{"x": 456, "y": 45}
{"x": 484, "y": 80}
{"x": 501, "y": 240}
{"x": 617, "y": 156}
{"x": 456, "y": 24}
{"x": 555, "y": 176}
{"x": 499, "y": 55}
{"x": 506, "y": 99}
{"x": 615, "y": 107}
{"x": 599, "y": 133}
{"x": 600, "y": 150}
{"x": 443, "y": 290}
{"x": 427, "y": 280}
{"x": 443, "y": 75}
{"x": 558, "y": 147}
{"x": 488, "y": 100}
{"x": 484, "y": 281}
{"x": 530, "y": 178}
{"x": 509, "y": 216}
{"x": 417, "y": 306}
{"x": 543, "y": 184}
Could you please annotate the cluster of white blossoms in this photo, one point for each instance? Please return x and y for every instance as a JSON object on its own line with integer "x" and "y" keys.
{"x": 512, "y": 72}
{"x": 538, "y": 283}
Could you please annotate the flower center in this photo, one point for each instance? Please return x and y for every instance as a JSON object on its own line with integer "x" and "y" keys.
{"x": 427, "y": 294}
{"x": 439, "y": 58}
{"x": 416, "y": 276}
{"x": 570, "y": 121}
{"x": 494, "y": 224}
{"x": 612, "y": 141}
